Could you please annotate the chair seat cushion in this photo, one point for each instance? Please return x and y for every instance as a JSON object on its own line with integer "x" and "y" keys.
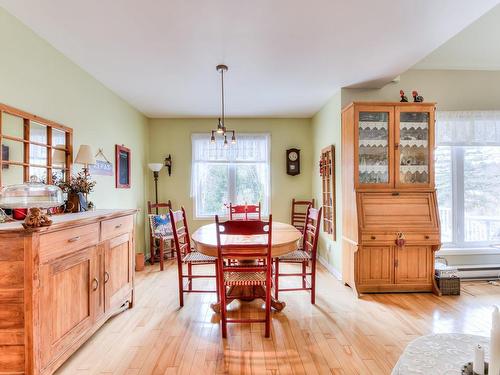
{"x": 245, "y": 278}
{"x": 297, "y": 256}
{"x": 197, "y": 257}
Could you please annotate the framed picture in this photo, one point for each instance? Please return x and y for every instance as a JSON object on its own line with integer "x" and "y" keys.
{"x": 122, "y": 167}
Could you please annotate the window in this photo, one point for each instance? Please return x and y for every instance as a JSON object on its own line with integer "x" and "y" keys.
{"x": 468, "y": 177}
{"x": 235, "y": 174}
{"x": 32, "y": 146}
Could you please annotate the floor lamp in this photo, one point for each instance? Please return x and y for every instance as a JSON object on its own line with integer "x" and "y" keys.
{"x": 156, "y": 168}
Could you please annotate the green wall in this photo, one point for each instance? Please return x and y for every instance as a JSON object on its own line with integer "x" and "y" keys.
{"x": 173, "y": 136}
{"x": 326, "y": 130}
{"x": 36, "y": 78}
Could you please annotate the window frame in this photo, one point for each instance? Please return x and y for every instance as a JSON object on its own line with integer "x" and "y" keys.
{"x": 26, "y": 140}
{"x": 266, "y": 206}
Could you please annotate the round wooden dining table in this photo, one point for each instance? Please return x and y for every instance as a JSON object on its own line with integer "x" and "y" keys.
{"x": 285, "y": 239}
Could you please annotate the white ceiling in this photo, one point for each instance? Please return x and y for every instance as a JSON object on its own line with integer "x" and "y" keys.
{"x": 475, "y": 48}
{"x": 285, "y": 57}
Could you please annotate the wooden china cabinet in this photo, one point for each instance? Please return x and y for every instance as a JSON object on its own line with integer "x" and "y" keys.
{"x": 390, "y": 215}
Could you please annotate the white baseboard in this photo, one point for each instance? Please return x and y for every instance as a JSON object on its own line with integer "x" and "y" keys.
{"x": 335, "y": 272}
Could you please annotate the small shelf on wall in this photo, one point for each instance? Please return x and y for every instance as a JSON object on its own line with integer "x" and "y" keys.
{"x": 327, "y": 172}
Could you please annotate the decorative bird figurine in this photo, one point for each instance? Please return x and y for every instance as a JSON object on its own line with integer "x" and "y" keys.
{"x": 404, "y": 98}
{"x": 417, "y": 98}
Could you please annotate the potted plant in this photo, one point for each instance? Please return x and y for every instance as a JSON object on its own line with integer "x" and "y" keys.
{"x": 81, "y": 183}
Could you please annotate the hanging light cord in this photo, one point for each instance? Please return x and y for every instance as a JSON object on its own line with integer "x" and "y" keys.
{"x": 222, "y": 100}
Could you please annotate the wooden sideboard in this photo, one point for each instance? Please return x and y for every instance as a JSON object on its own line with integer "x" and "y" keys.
{"x": 390, "y": 216}
{"x": 59, "y": 284}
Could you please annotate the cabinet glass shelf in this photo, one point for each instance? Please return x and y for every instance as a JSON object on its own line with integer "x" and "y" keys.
{"x": 414, "y": 147}
{"x": 373, "y": 136}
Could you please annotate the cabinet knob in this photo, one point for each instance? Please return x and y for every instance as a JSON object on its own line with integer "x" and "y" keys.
{"x": 118, "y": 226}
{"x": 106, "y": 276}
{"x": 95, "y": 284}
{"x": 427, "y": 237}
{"x": 74, "y": 239}
{"x": 373, "y": 237}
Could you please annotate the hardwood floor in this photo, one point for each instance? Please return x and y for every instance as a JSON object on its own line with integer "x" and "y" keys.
{"x": 339, "y": 335}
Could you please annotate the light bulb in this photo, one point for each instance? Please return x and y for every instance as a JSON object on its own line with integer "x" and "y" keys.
{"x": 220, "y": 128}
{"x": 212, "y": 138}
{"x": 233, "y": 139}
{"x": 225, "y": 141}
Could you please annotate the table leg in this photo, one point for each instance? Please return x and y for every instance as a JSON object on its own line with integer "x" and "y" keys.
{"x": 247, "y": 294}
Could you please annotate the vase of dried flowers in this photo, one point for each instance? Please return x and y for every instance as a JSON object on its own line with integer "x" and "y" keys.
{"x": 81, "y": 183}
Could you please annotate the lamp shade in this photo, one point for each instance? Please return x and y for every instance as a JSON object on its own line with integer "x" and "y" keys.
{"x": 85, "y": 155}
{"x": 155, "y": 167}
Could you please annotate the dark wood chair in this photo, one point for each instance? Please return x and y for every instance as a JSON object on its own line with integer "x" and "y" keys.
{"x": 299, "y": 212}
{"x": 154, "y": 248}
{"x": 305, "y": 256}
{"x": 244, "y": 212}
{"x": 189, "y": 257}
{"x": 238, "y": 265}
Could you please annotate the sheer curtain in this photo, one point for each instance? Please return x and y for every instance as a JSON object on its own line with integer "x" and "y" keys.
{"x": 468, "y": 128}
{"x": 250, "y": 150}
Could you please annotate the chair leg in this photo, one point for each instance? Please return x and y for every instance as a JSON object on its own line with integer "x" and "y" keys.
{"x": 162, "y": 250}
{"x": 304, "y": 270}
{"x": 217, "y": 284}
{"x": 151, "y": 250}
{"x": 181, "y": 283}
{"x": 223, "y": 308}
{"x": 190, "y": 273}
{"x": 313, "y": 281}
{"x": 276, "y": 277}
{"x": 268, "y": 308}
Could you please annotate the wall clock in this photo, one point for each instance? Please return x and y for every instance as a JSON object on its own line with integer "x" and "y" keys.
{"x": 293, "y": 161}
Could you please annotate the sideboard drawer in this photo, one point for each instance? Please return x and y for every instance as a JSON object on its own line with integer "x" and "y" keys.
{"x": 412, "y": 238}
{"x": 114, "y": 227}
{"x": 56, "y": 244}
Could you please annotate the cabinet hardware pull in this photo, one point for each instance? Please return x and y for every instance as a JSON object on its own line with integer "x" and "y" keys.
{"x": 427, "y": 237}
{"x": 95, "y": 284}
{"x": 373, "y": 237}
{"x": 118, "y": 226}
{"x": 74, "y": 239}
{"x": 106, "y": 276}
{"x": 395, "y": 193}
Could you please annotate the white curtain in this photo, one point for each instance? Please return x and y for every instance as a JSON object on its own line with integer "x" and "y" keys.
{"x": 468, "y": 128}
{"x": 252, "y": 148}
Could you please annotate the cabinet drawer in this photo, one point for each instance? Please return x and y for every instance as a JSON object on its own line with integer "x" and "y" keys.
{"x": 114, "y": 227}
{"x": 428, "y": 238}
{"x": 56, "y": 244}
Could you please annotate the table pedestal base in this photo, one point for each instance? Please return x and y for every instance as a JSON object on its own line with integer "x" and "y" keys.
{"x": 248, "y": 293}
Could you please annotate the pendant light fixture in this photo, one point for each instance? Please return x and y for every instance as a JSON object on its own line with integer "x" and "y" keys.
{"x": 221, "y": 124}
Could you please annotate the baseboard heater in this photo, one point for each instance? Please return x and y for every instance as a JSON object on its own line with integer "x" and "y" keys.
{"x": 479, "y": 272}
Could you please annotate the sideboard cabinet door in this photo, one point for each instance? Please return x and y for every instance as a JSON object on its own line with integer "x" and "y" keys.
{"x": 66, "y": 307}
{"x": 375, "y": 265}
{"x": 414, "y": 265}
{"x": 118, "y": 276}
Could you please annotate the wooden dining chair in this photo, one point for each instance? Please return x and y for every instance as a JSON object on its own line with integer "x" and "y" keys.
{"x": 299, "y": 212}
{"x": 189, "y": 257}
{"x": 306, "y": 256}
{"x": 244, "y": 212}
{"x": 154, "y": 248}
{"x": 247, "y": 271}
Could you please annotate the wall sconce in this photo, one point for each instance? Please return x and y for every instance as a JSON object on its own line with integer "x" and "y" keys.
{"x": 168, "y": 164}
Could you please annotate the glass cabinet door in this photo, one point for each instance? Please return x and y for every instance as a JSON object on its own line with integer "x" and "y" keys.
{"x": 413, "y": 147}
{"x": 374, "y": 147}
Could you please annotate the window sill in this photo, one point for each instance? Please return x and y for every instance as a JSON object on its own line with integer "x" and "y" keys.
{"x": 468, "y": 251}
